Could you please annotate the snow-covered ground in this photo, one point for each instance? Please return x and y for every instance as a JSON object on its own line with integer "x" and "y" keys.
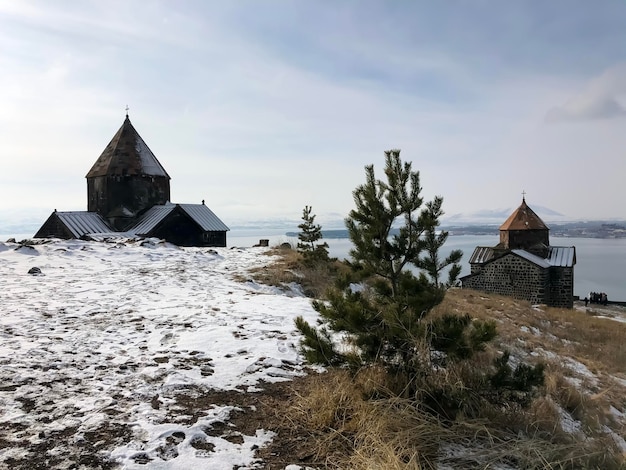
{"x": 610, "y": 312}
{"x": 109, "y": 336}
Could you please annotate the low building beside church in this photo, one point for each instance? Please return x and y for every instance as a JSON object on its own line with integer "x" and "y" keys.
{"x": 524, "y": 265}
{"x": 128, "y": 194}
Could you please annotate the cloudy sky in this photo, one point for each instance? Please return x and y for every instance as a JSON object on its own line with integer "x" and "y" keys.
{"x": 263, "y": 107}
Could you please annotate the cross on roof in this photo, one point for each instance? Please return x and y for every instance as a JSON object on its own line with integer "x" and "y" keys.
{"x": 523, "y": 195}
{"x": 127, "y": 108}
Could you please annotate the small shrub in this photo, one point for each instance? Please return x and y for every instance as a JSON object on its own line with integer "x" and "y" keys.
{"x": 310, "y": 233}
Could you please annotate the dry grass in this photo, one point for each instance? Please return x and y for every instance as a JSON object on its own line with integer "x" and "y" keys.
{"x": 353, "y": 431}
{"x": 288, "y": 267}
{"x": 576, "y": 420}
{"x": 572, "y": 423}
{"x": 598, "y": 343}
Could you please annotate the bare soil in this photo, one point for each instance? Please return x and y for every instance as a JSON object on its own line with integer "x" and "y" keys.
{"x": 268, "y": 410}
{"x": 257, "y": 410}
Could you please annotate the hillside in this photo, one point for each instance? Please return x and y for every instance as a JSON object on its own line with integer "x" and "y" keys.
{"x": 131, "y": 354}
{"x": 576, "y": 420}
{"x": 139, "y": 354}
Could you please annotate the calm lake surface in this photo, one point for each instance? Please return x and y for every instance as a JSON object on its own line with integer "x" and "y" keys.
{"x": 600, "y": 262}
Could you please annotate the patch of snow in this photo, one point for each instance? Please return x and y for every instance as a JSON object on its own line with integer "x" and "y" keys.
{"x": 294, "y": 289}
{"x": 579, "y": 368}
{"x": 356, "y": 287}
{"x": 620, "y": 318}
{"x": 620, "y": 380}
{"x": 569, "y": 424}
{"x": 540, "y": 352}
{"x": 176, "y": 447}
{"x": 470, "y": 455}
{"x": 532, "y": 329}
{"x": 619, "y": 440}
{"x": 114, "y": 332}
{"x": 617, "y": 413}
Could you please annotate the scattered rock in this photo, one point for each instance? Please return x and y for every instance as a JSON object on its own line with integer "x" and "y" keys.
{"x": 155, "y": 402}
{"x": 35, "y": 271}
{"x": 141, "y": 458}
{"x": 200, "y": 443}
{"x": 285, "y": 246}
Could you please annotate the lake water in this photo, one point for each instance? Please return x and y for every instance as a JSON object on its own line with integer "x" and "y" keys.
{"x": 600, "y": 262}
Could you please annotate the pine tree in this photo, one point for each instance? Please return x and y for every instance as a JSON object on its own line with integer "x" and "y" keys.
{"x": 310, "y": 233}
{"x": 385, "y": 317}
{"x": 434, "y": 241}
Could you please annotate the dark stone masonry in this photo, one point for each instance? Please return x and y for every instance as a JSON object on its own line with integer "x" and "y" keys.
{"x": 524, "y": 265}
{"x": 128, "y": 195}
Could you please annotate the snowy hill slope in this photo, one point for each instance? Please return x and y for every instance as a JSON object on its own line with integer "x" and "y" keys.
{"x": 98, "y": 351}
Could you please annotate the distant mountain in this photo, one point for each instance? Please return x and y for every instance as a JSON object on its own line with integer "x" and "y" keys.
{"x": 498, "y": 216}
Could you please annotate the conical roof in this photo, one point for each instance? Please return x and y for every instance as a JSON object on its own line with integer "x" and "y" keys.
{"x": 523, "y": 218}
{"x": 127, "y": 154}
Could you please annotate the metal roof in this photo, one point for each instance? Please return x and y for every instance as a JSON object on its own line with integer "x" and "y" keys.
{"x": 127, "y": 154}
{"x": 560, "y": 256}
{"x": 199, "y": 213}
{"x": 205, "y": 217}
{"x": 523, "y": 218}
{"x": 151, "y": 219}
{"x": 481, "y": 254}
{"x": 532, "y": 258}
{"x": 563, "y": 256}
{"x": 82, "y": 222}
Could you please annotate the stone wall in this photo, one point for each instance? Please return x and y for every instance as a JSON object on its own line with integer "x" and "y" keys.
{"x": 135, "y": 193}
{"x": 54, "y": 228}
{"x": 513, "y": 276}
{"x": 561, "y": 287}
{"x": 523, "y": 239}
{"x": 517, "y": 277}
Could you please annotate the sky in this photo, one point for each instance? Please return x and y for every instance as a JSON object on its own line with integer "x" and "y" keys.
{"x": 261, "y": 108}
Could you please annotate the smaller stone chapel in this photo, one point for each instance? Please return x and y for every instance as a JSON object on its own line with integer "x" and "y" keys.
{"x": 524, "y": 265}
{"x": 128, "y": 195}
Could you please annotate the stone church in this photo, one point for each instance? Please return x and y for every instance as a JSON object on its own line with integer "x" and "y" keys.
{"x": 128, "y": 195}
{"x": 524, "y": 265}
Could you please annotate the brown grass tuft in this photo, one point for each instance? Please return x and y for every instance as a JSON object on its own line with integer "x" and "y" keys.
{"x": 353, "y": 431}
{"x": 288, "y": 266}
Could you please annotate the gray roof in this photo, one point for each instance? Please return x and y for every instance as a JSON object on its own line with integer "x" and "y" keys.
{"x": 83, "y": 222}
{"x": 127, "y": 154}
{"x": 481, "y": 254}
{"x": 205, "y": 217}
{"x": 561, "y": 256}
{"x": 532, "y": 258}
{"x": 199, "y": 213}
{"x": 150, "y": 219}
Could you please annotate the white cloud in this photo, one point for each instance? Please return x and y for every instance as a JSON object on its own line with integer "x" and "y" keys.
{"x": 600, "y": 100}
{"x": 263, "y": 116}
